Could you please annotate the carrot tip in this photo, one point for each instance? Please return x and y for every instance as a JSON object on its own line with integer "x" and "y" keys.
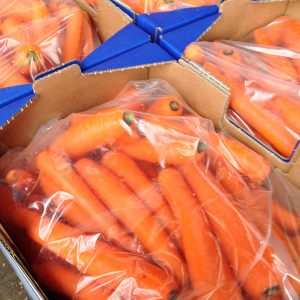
{"x": 174, "y": 105}
{"x": 174, "y": 295}
{"x": 202, "y": 147}
{"x": 272, "y": 291}
{"x": 129, "y": 117}
{"x": 228, "y": 52}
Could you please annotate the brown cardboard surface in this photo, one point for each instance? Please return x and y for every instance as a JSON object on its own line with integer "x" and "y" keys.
{"x": 247, "y": 15}
{"x": 110, "y": 19}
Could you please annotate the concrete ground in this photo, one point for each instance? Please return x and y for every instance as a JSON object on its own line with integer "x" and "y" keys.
{"x": 10, "y": 287}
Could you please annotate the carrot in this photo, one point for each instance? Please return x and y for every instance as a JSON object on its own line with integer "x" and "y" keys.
{"x": 289, "y": 110}
{"x": 166, "y": 106}
{"x": 234, "y": 229}
{"x": 10, "y": 25}
{"x": 44, "y": 30}
{"x": 261, "y": 38}
{"x": 87, "y": 37}
{"x": 151, "y": 170}
{"x": 61, "y": 279}
{"x": 285, "y": 218}
{"x": 97, "y": 258}
{"x": 21, "y": 181}
{"x": 6, "y": 159}
{"x": 173, "y": 152}
{"x": 195, "y": 52}
{"x": 291, "y": 37}
{"x": 276, "y": 30}
{"x": 73, "y": 39}
{"x": 228, "y": 60}
{"x": 130, "y": 173}
{"x": 210, "y": 274}
{"x": 263, "y": 121}
{"x": 296, "y": 242}
{"x": 95, "y": 131}
{"x": 81, "y": 207}
{"x": 252, "y": 204}
{"x": 9, "y": 74}
{"x": 246, "y": 161}
{"x": 132, "y": 212}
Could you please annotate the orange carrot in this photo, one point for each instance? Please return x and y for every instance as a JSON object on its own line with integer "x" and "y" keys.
{"x": 291, "y": 38}
{"x": 88, "y": 38}
{"x": 72, "y": 42}
{"x": 9, "y": 74}
{"x": 285, "y": 218}
{"x": 98, "y": 259}
{"x": 261, "y": 38}
{"x": 296, "y": 242}
{"x": 173, "y": 152}
{"x": 61, "y": 279}
{"x": 132, "y": 212}
{"x": 289, "y": 110}
{"x": 234, "y": 229}
{"x": 210, "y": 274}
{"x": 195, "y": 52}
{"x": 95, "y": 131}
{"x": 263, "y": 121}
{"x": 81, "y": 207}
{"x": 166, "y": 106}
{"x": 129, "y": 172}
{"x": 235, "y": 152}
{"x": 228, "y": 60}
{"x": 276, "y": 30}
{"x": 151, "y": 170}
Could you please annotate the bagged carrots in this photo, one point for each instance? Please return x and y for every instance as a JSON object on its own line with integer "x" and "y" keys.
{"x": 36, "y": 35}
{"x": 264, "y": 85}
{"x": 142, "y": 199}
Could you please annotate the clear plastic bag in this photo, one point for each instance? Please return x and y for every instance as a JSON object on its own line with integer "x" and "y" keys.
{"x": 264, "y": 83}
{"x": 149, "y": 6}
{"x": 37, "y": 35}
{"x": 282, "y": 32}
{"x": 140, "y": 198}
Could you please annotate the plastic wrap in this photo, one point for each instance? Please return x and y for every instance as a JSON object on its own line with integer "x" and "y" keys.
{"x": 264, "y": 83}
{"x": 38, "y": 35}
{"x": 141, "y": 199}
{"x": 149, "y": 6}
{"x": 282, "y": 32}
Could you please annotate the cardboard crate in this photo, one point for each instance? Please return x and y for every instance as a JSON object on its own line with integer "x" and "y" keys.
{"x": 255, "y": 15}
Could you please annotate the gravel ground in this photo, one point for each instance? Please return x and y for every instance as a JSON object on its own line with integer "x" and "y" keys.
{"x": 10, "y": 287}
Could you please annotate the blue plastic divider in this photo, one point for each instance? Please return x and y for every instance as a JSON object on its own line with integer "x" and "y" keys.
{"x": 134, "y": 45}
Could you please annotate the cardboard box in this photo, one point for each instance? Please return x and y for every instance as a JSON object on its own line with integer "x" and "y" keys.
{"x": 255, "y": 15}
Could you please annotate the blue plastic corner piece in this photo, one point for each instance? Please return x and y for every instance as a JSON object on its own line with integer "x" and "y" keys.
{"x": 146, "y": 54}
{"x": 172, "y": 20}
{"x": 129, "y": 38}
{"x": 124, "y": 9}
{"x": 14, "y": 93}
{"x": 9, "y": 110}
{"x": 188, "y": 34}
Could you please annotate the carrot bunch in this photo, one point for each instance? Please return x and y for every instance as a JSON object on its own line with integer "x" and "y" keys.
{"x": 142, "y": 199}
{"x": 36, "y": 35}
{"x": 143, "y": 6}
{"x": 264, "y": 88}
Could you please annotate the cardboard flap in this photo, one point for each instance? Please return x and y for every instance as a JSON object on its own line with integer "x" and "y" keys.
{"x": 111, "y": 19}
{"x": 188, "y": 34}
{"x": 195, "y": 88}
{"x": 172, "y": 20}
{"x": 240, "y": 17}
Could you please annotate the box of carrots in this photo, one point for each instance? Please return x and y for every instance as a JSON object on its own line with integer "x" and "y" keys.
{"x": 37, "y": 35}
{"x": 260, "y": 63}
{"x": 112, "y": 187}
